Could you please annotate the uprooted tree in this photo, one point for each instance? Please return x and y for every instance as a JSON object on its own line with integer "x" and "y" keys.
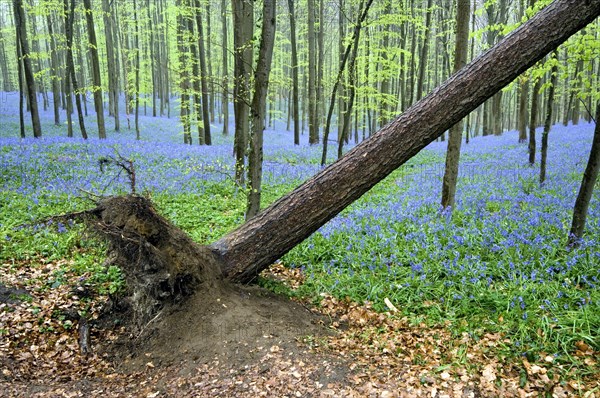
{"x": 163, "y": 265}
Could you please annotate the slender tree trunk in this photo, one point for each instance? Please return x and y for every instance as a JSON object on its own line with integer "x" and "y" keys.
{"x": 225, "y": 56}
{"x": 295, "y": 94}
{"x": 54, "y": 71}
{"x": 21, "y": 87}
{"x": 259, "y": 102}
{"x": 243, "y": 24}
{"x": 548, "y": 122}
{"x": 69, "y": 20}
{"x": 136, "y": 41}
{"x": 203, "y": 75}
{"x": 533, "y": 120}
{"x": 313, "y": 126}
{"x": 523, "y": 100}
{"x": 590, "y": 175}
{"x": 334, "y": 91}
{"x": 184, "y": 77}
{"x": 455, "y": 137}
{"x": 351, "y": 82}
{"x": 424, "y": 51}
{"x": 112, "y": 64}
{"x": 98, "y": 104}
{"x": 21, "y": 34}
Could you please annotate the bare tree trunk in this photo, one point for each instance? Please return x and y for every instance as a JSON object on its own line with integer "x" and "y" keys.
{"x": 313, "y": 124}
{"x": 295, "y": 96}
{"x": 243, "y": 24}
{"x": 21, "y": 28}
{"x": 548, "y": 122}
{"x": 259, "y": 102}
{"x": 203, "y": 75}
{"x": 586, "y": 189}
{"x": 98, "y": 104}
{"x": 112, "y": 64}
{"x": 225, "y": 56}
{"x": 54, "y": 68}
{"x": 424, "y": 51}
{"x": 69, "y": 20}
{"x": 455, "y": 136}
{"x": 184, "y": 77}
{"x": 533, "y": 120}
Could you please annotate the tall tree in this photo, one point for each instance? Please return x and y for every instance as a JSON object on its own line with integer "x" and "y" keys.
{"x": 548, "y": 121}
{"x": 96, "y": 79}
{"x": 225, "y": 58}
{"x": 54, "y": 78}
{"x": 463, "y": 8}
{"x": 203, "y": 74}
{"x": 184, "y": 73}
{"x": 586, "y": 189}
{"x": 313, "y": 123}
{"x": 295, "y": 94}
{"x": 259, "y": 102}
{"x": 424, "y": 50}
{"x": 112, "y": 63}
{"x": 69, "y": 10}
{"x": 23, "y": 45}
{"x": 243, "y": 24}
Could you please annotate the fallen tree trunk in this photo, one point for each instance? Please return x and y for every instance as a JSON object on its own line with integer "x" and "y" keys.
{"x": 252, "y": 247}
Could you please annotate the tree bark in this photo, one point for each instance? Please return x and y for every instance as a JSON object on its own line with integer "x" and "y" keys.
{"x": 455, "y": 136}
{"x": 252, "y": 247}
{"x": 21, "y": 27}
{"x": 313, "y": 124}
{"x": 54, "y": 68}
{"x": 243, "y": 23}
{"x": 259, "y": 106}
{"x": 225, "y": 57}
{"x": 98, "y": 104}
{"x": 586, "y": 189}
{"x": 548, "y": 121}
{"x": 203, "y": 75}
{"x": 533, "y": 120}
{"x": 295, "y": 96}
{"x": 69, "y": 20}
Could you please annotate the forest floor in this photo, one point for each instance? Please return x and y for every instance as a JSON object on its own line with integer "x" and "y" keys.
{"x": 248, "y": 342}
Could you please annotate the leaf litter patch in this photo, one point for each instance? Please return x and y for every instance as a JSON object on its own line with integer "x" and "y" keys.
{"x": 339, "y": 349}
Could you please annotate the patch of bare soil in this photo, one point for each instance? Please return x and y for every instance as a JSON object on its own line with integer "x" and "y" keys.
{"x": 228, "y": 324}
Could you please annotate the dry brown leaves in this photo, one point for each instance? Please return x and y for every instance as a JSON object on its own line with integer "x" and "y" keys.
{"x": 370, "y": 355}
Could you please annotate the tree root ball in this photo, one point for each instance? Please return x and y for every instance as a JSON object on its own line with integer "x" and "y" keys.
{"x": 161, "y": 264}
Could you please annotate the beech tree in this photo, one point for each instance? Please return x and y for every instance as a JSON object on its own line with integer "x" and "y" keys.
{"x": 586, "y": 189}
{"x": 24, "y": 55}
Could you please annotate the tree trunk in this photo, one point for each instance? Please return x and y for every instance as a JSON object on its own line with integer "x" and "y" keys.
{"x": 98, "y": 104}
{"x": 548, "y": 121}
{"x": 69, "y": 20}
{"x": 225, "y": 56}
{"x": 249, "y": 249}
{"x": 54, "y": 68}
{"x": 259, "y": 106}
{"x": 137, "y": 70}
{"x": 424, "y": 51}
{"x": 184, "y": 75}
{"x": 455, "y": 137}
{"x": 203, "y": 75}
{"x": 313, "y": 124}
{"x": 112, "y": 64}
{"x": 243, "y": 24}
{"x": 21, "y": 29}
{"x": 586, "y": 189}
{"x": 533, "y": 120}
{"x": 295, "y": 96}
